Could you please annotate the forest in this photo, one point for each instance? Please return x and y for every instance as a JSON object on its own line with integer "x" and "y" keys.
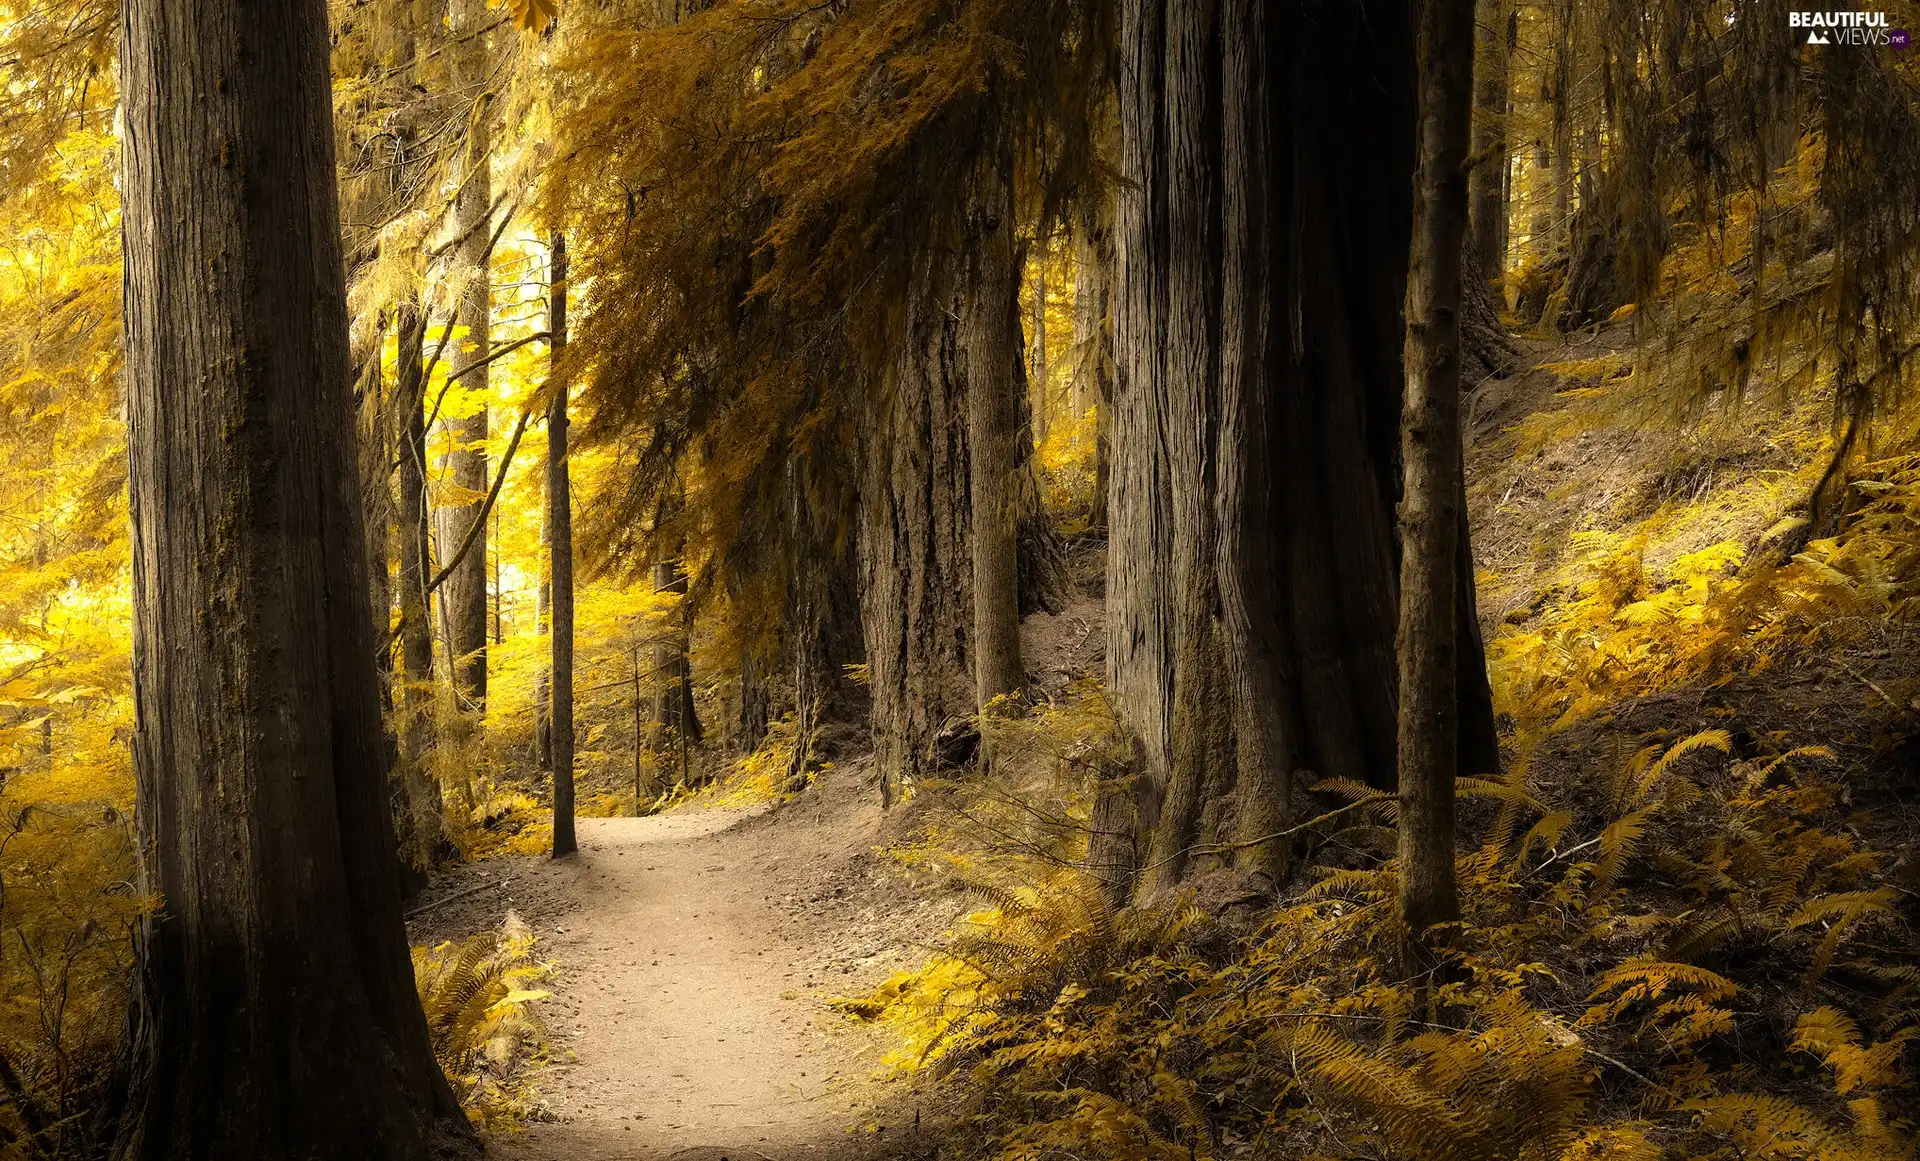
{"x": 948, "y": 580}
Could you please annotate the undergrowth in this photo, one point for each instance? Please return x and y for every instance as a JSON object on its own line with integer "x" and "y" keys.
{"x": 1695, "y": 960}
{"x": 478, "y": 995}
{"x": 1686, "y": 946}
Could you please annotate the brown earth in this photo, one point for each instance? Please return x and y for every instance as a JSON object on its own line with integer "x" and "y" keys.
{"x": 696, "y": 956}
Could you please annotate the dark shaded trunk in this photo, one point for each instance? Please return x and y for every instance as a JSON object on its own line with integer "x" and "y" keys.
{"x": 1487, "y": 183}
{"x": 419, "y": 810}
{"x": 466, "y": 587}
{"x": 916, "y": 600}
{"x": 560, "y": 533}
{"x": 1487, "y": 350}
{"x": 376, "y": 458}
{"x": 1093, "y": 334}
{"x": 276, "y": 1015}
{"x": 750, "y": 720}
{"x": 1042, "y": 413}
{"x": 1560, "y": 98}
{"x": 1431, "y": 509}
{"x": 989, "y": 338}
{"x": 675, "y": 719}
{"x": 1262, "y": 238}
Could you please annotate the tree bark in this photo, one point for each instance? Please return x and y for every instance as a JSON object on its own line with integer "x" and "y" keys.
{"x": 992, "y": 352}
{"x": 276, "y": 1015}
{"x": 560, "y": 529}
{"x": 419, "y": 809}
{"x": 1487, "y": 184}
{"x": 1093, "y": 335}
{"x": 376, "y": 454}
{"x": 1430, "y": 506}
{"x": 915, "y": 582}
{"x": 543, "y": 624}
{"x": 1261, "y": 240}
{"x": 676, "y": 720}
{"x": 1042, "y": 414}
{"x": 466, "y": 587}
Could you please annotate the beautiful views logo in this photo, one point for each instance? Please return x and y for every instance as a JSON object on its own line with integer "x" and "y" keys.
{"x": 1856, "y": 28}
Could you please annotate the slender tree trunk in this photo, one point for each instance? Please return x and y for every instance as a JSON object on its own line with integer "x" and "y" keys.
{"x": 1430, "y": 509}
{"x": 1042, "y": 414}
{"x": 989, "y": 339}
{"x": 560, "y": 529}
{"x": 376, "y": 454}
{"x": 1561, "y": 80}
{"x": 420, "y": 811}
{"x": 276, "y": 1014}
{"x": 466, "y": 589}
{"x": 543, "y": 683}
{"x": 1487, "y": 193}
{"x": 1093, "y": 335}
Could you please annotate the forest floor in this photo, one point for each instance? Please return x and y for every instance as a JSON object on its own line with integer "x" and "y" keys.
{"x": 696, "y": 956}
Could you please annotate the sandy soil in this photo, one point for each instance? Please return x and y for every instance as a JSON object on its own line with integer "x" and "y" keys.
{"x": 697, "y": 952}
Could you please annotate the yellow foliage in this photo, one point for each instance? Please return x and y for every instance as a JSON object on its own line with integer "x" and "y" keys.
{"x": 478, "y": 996}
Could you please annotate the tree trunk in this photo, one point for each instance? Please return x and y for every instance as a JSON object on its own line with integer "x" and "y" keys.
{"x": 276, "y": 1016}
{"x": 376, "y": 454}
{"x": 916, "y": 604}
{"x": 1042, "y": 415}
{"x": 419, "y": 811}
{"x": 560, "y": 529}
{"x": 1487, "y": 194}
{"x": 750, "y": 723}
{"x": 466, "y": 587}
{"x": 676, "y": 720}
{"x": 1430, "y": 505}
{"x": 1561, "y": 95}
{"x": 993, "y": 428}
{"x": 543, "y": 624}
{"x": 1093, "y": 335}
{"x": 1252, "y": 575}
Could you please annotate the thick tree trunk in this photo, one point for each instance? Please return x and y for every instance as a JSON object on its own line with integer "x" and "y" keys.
{"x": 989, "y": 339}
{"x": 1487, "y": 193}
{"x": 1430, "y": 505}
{"x": 277, "y": 1017}
{"x": 1190, "y": 414}
{"x": 560, "y": 529}
{"x": 419, "y": 809}
{"x": 1252, "y": 584}
{"x": 916, "y": 602}
{"x": 466, "y": 588}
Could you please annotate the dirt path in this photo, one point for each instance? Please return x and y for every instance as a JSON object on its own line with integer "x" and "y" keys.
{"x": 697, "y": 951}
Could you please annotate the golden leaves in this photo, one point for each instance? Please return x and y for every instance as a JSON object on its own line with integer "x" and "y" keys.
{"x": 533, "y": 15}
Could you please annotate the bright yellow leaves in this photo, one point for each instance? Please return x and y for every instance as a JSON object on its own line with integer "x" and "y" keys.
{"x": 533, "y": 15}
{"x": 478, "y": 996}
